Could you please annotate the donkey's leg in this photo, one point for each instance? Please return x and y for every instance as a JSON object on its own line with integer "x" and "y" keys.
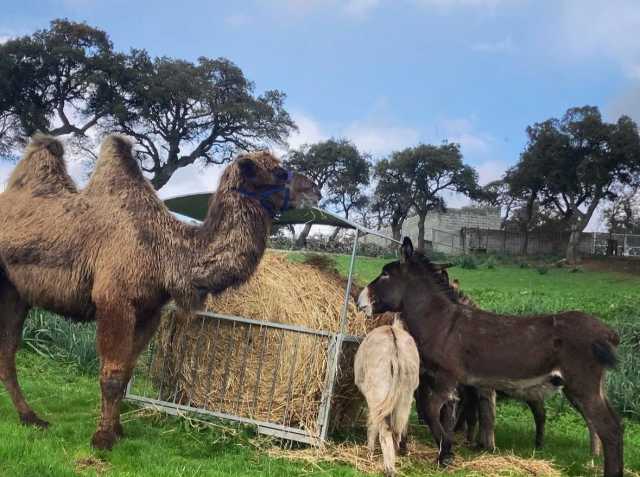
{"x": 388, "y": 447}
{"x": 12, "y": 314}
{"x": 469, "y": 413}
{"x": 372, "y": 436}
{"x": 487, "y": 416}
{"x": 539, "y": 416}
{"x": 596, "y": 408}
{"x": 596, "y": 445}
{"x": 400, "y": 422}
{"x": 437, "y": 397}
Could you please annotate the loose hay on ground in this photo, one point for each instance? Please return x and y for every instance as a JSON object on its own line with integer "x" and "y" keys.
{"x": 263, "y": 373}
{"x": 489, "y": 465}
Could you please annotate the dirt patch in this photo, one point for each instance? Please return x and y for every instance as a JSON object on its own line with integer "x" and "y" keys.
{"x": 92, "y": 463}
{"x": 488, "y": 465}
{"x": 626, "y": 265}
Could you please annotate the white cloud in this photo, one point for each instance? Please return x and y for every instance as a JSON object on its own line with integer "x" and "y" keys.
{"x": 192, "y": 180}
{"x": 596, "y": 29}
{"x": 490, "y": 170}
{"x": 5, "y": 38}
{"x": 463, "y": 132}
{"x": 309, "y": 131}
{"x": 379, "y": 137}
{"x": 505, "y": 45}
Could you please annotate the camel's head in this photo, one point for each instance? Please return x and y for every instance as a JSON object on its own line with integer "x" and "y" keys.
{"x": 261, "y": 176}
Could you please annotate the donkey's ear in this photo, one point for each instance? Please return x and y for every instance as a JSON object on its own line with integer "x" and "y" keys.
{"x": 406, "y": 250}
{"x": 247, "y": 167}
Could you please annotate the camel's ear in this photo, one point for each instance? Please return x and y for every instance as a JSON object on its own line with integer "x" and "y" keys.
{"x": 406, "y": 250}
{"x": 247, "y": 167}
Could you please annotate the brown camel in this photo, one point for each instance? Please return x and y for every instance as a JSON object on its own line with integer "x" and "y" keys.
{"x": 113, "y": 253}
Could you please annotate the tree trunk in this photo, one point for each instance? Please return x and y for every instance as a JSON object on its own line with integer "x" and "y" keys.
{"x": 525, "y": 242}
{"x": 301, "y": 241}
{"x": 396, "y": 228}
{"x": 572, "y": 247}
{"x": 421, "y": 219}
{"x": 334, "y": 234}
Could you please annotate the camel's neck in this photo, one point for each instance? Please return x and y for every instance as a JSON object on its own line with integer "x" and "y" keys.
{"x": 226, "y": 250}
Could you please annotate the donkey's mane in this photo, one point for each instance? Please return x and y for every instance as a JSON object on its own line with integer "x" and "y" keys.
{"x": 441, "y": 282}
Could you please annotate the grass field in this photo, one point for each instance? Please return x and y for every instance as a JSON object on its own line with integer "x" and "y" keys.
{"x": 158, "y": 445}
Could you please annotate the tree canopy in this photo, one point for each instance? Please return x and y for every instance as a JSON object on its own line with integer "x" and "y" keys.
{"x": 432, "y": 170}
{"x": 580, "y": 160}
{"x": 67, "y": 80}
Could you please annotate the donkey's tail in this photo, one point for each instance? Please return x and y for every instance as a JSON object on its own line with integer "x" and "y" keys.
{"x": 388, "y": 404}
{"x": 605, "y": 353}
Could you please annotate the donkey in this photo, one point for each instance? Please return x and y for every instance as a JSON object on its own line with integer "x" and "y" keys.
{"x": 464, "y": 345}
{"x": 386, "y": 369}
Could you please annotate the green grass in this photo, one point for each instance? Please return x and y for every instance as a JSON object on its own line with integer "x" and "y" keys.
{"x": 157, "y": 445}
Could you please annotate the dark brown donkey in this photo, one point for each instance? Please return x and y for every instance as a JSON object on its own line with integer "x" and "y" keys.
{"x": 464, "y": 345}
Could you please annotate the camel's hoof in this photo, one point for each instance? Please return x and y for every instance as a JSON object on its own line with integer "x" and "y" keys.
{"x": 31, "y": 419}
{"x": 103, "y": 440}
{"x": 445, "y": 460}
{"x": 118, "y": 430}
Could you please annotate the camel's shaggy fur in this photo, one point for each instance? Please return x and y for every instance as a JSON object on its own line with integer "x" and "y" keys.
{"x": 113, "y": 253}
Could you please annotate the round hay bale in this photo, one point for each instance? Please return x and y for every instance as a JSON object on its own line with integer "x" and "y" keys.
{"x": 263, "y": 373}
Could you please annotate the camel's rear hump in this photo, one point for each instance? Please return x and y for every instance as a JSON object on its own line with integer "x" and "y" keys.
{"x": 42, "y": 169}
{"x": 116, "y": 167}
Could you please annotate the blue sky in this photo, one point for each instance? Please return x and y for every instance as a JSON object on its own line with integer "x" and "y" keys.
{"x": 389, "y": 74}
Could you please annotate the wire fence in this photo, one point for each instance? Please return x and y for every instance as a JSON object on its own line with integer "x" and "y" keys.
{"x": 479, "y": 240}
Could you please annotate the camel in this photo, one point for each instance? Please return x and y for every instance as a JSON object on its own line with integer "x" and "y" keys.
{"x": 113, "y": 253}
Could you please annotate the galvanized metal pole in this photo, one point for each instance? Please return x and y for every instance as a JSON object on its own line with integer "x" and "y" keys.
{"x": 333, "y": 371}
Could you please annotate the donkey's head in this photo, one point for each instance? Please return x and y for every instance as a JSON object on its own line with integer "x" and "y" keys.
{"x": 261, "y": 176}
{"x": 408, "y": 275}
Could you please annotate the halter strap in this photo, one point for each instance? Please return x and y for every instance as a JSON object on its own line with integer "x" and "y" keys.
{"x": 263, "y": 196}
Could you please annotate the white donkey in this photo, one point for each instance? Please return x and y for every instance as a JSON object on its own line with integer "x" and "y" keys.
{"x": 386, "y": 369}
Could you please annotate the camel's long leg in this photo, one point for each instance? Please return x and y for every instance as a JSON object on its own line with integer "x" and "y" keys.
{"x": 121, "y": 338}
{"x": 12, "y": 314}
{"x": 145, "y": 329}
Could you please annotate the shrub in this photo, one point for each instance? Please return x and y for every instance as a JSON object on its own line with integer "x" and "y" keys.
{"x": 466, "y": 261}
{"x": 490, "y": 263}
{"x": 56, "y": 338}
{"x": 542, "y": 269}
{"x": 623, "y": 383}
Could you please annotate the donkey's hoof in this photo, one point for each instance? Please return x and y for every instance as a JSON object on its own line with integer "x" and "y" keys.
{"x": 31, "y": 419}
{"x": 445, "y": 460}
{"x": 390, "y": 473}
{"x": 104, "y": 440}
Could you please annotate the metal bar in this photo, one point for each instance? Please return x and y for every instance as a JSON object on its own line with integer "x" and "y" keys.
{"x": 244, "y": 365}
{"x": 168, "y": 406}
{"x": 195, "y": 351}
{"x": 175, "y": 389}
{"x": 227, "y": 366}
{"x": 339, "y": 338}
{"x": 270, "y": 324}
{"x": 211, "y": 360}
{"x": 259, "y": 373}
{"x": 275, "y": 373}
{"x": 314, "y": 349}
{"x": 293, "y": 369}
{"x": 164, "y": 357}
